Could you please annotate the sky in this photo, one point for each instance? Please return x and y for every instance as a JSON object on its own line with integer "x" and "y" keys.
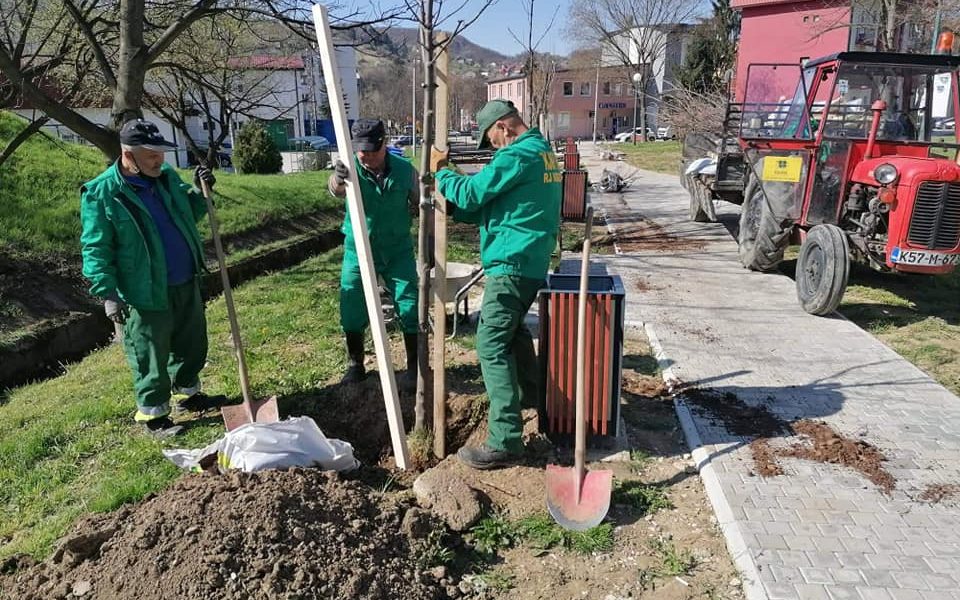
{"x": 491, "y": 29}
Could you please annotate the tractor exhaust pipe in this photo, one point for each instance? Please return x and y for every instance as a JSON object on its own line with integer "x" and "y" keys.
{"x": 878, "y": 107}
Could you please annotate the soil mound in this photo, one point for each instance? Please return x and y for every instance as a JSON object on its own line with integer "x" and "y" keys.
{"x": 299, "y": 533}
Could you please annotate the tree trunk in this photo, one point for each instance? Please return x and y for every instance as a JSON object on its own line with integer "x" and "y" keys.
{"x": 424, "y": 377}
{"x": 103, "y": 139}
{"x": 132, "y": 68}
{"x": 24, "y": 134}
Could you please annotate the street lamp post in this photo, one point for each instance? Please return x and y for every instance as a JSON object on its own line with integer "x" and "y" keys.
{"x": 636, "y": 100}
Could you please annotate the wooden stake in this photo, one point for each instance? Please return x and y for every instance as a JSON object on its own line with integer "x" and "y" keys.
{"x": 441, "y": 118}
{"x": 361, "y": 238}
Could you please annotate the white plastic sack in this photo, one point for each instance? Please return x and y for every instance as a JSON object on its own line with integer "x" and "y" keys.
{"x": 296, "y": 442}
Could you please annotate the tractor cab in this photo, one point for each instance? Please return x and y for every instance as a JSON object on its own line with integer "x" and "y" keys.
{"x": 864, "y": 143}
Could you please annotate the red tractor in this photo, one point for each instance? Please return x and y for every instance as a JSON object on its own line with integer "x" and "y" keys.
{"x": 859, "y": 163}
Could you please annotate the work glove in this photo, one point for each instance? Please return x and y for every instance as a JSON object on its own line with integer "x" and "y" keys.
{"x": 438, "y": 159}
{"x": 116, "y": 309}
{"x": 340, "y": 173}
{"x": 203, "y": 174}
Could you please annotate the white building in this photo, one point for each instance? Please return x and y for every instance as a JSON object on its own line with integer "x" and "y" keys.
{"x": 661, "y": 50}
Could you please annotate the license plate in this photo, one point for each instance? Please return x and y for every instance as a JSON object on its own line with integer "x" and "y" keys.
{"x": 923, "y": 258}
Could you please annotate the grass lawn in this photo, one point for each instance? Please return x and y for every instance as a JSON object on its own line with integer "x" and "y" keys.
{"x": 41, "y": 203}
{"x": 662, "y": 157}
{"x": 918, "y": 316}
{"x": 68, "y": 445}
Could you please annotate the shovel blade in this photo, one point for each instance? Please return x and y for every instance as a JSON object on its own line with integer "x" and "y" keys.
{"x": 578, "y": 511}
{"x": 263, "y": 411}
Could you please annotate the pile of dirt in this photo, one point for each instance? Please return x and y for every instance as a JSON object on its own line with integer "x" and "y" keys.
{"x": 828, "y": 446}
{"x": 299, "y": 533}
{"x": 820, "y": 443}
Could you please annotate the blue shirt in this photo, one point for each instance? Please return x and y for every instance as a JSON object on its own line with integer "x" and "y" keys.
{"x": 180, "y": 263}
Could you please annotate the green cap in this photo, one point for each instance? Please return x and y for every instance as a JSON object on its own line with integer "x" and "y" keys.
{"x": 492, "y": 112}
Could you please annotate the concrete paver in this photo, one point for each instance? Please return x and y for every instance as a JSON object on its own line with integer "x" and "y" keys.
{"x": 819, "y": 531}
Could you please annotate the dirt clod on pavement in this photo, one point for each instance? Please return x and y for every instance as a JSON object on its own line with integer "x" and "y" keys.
{"x": 937, "y": 493}
{"x": 828, "y": 446}
{"x": 820, "y": 442}
{"x": 300, "y": 533}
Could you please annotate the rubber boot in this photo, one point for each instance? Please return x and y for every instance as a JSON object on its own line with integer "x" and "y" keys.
{"x": 408, "y": 381}
{"x": 355, "y": 369}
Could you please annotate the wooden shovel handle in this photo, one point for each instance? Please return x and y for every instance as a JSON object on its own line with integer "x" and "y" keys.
{"x": 581, "y": 429}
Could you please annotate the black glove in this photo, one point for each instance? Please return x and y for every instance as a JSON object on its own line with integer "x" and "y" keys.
{"x": 204, "y": 174}
{"x": 451, "y": 208}
{"x": 115, "y": 309}
{"x": 340, "y": 173}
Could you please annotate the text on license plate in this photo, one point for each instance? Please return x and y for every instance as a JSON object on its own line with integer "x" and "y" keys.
{"x": 923, "y": 258}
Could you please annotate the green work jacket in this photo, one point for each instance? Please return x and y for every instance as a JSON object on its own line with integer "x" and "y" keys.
{"x": 516, "y": 201}
{"x": 386, "y": 207}
{"x": 121, "y": 248}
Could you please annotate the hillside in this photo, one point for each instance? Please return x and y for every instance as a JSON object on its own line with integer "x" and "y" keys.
{"x": 405, "y": 39}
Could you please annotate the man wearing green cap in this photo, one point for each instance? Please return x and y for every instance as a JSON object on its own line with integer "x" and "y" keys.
{"x": 515, "y": 200}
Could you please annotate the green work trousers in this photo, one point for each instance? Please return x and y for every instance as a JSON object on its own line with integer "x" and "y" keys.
{"x": 399, "y": 273}
{"x": 507, "y": 359}
{"x": 166, "y": 347}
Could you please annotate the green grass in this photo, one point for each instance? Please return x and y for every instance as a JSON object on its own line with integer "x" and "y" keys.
{"x": 918, "y": 316}
{"x": 641, "y": 498}
{"x": 68, "y": 445}
{"x": 662, "y": 157}
{"x": 673, "y": 562}
{"x": 41, "y": 195}
{"x": 540, "y": 532}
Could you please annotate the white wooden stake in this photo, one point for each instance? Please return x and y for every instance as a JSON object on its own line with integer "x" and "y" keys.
{"x": 359, "y": 222}
{"x": 441, "y": 123}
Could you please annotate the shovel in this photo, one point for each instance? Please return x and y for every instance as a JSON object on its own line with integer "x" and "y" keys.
{"x": 576, "y": 498}
{"x": 249, "y": 411}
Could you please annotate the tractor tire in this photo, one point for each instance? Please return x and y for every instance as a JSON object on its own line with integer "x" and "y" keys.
{"x": 823, "y": 268}
{"x": 762, "y": 236}
{"x": 702, "y": 209}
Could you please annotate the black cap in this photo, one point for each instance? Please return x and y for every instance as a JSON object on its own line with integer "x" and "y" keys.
{"x": 145, "y": 135}
{"x": 368, "y": 134}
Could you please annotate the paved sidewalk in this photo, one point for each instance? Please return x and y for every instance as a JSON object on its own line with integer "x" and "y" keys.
{"x": 819, "y": 530}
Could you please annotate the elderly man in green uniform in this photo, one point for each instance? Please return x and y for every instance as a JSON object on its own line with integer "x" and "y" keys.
{"x": 515, "y": 199}
{"x": 142, "y": 254}
{"x": 388, "y": 187}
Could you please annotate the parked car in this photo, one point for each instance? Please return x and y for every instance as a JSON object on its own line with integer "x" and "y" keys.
{"x": 315, "y": 142}
{"x": 627, "y": 136}
{"x": 666, "y": 133}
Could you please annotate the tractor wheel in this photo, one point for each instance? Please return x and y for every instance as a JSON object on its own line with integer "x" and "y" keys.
{"x": 822, "y": 269}
{"x": 762, "y": 237}
{"x": 702, "y": 209}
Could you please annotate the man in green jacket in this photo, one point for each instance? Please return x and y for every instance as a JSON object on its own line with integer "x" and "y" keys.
{"x": 388, "y": 187}
{"x": 142, "y": 254}
{"x": 516, "y": 201}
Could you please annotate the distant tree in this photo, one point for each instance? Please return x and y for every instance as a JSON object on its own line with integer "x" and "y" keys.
{"x": 123, "y": 39}
{"x": 538, "y": 67}
{"x": 255, "y": 151}
{"x": 712, "y": 51}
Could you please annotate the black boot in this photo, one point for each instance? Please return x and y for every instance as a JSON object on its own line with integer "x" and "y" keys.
{"x": 355, "y": 369}
{"x": 408, "y": 381}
